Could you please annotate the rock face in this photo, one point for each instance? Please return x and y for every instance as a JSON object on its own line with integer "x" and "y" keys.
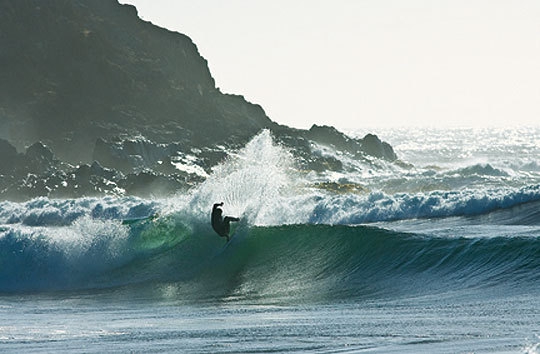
{"x": 373, "y": 146}
{"x": 87, "y": 80}
{"x": 75, "y": 71}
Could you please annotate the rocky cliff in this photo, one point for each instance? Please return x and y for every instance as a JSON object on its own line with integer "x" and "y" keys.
{"x": 76, "y": 70}
{"x": 91, "y": 81}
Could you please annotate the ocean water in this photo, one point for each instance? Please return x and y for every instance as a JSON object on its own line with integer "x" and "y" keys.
{"x": 438, "y": 253}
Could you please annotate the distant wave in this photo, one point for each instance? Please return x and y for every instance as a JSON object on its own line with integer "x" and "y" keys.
{"x": 378, "y": 206}
{"x": 482, "y": 170}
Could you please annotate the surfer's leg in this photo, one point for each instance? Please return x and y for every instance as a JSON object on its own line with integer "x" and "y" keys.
{"x": 226, "y": 227}
{"x": 230, "y": 218}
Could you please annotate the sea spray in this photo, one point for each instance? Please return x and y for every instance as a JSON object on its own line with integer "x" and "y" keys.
{"x": 254, "y": 183}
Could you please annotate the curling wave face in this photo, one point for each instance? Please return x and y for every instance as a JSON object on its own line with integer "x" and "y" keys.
{"x": 290, "y": 261}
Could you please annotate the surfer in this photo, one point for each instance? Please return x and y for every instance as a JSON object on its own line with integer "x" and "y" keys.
{"x": 220, "y": 224}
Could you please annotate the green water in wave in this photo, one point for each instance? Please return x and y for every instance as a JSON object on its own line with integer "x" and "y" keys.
{"x": 322, "y": 262}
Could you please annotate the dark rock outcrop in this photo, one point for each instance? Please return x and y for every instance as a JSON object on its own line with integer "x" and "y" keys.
{"x": 327, "y": 135}
{"x": 373, "y": 146}
{"x": 370, "y": 144}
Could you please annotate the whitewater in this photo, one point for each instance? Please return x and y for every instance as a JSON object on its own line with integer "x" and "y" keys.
{"x": 438, "y": 252}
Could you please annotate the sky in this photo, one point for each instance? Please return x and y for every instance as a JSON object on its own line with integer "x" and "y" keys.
{"x": 369, "y": 63}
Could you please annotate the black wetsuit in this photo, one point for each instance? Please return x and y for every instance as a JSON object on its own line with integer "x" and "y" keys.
{"x": 222, "y": 226}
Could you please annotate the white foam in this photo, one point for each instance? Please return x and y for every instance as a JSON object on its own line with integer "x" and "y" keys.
{"x": 379, "y": 206}
{"x": 62, "y": 212}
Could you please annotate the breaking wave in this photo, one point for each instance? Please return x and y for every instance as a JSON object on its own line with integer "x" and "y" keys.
{"x": 298, "y": 261}
{"x": 295, "y": 241}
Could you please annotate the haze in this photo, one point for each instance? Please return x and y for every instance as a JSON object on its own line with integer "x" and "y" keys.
{"x": 372, "y": 63}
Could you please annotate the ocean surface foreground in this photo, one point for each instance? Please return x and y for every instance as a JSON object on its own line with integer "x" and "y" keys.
{"x": 437, "y": 253}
